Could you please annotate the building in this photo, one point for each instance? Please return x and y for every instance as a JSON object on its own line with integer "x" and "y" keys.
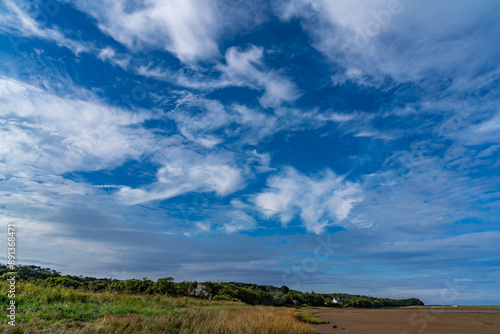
{"x": 337, "y": 301}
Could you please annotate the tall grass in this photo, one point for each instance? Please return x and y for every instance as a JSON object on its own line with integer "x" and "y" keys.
{"x": 42, "y": 309}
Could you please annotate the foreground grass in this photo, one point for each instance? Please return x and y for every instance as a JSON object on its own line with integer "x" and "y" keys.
{"x": 61, "y": 310}
{"x": 311, "y": 318}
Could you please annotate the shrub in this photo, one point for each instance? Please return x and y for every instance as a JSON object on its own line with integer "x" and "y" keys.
{"x": 165, "y": 286}
{"x": 63, "y": 281}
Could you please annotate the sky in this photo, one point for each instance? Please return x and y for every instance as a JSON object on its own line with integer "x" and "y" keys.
{"x": 330, "y": 146}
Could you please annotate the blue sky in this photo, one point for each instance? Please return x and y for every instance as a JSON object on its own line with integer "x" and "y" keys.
{"x": 334, "y": 146}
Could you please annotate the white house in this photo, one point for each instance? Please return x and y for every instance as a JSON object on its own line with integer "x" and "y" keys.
{"x": 337, "y": 301}
{"x": 202, "y": 292}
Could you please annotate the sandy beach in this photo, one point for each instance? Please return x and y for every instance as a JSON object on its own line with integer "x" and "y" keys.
{"x": 428, "y": 320}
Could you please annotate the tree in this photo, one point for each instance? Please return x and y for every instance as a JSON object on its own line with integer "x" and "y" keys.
{"x": 63, "y": 281}
{"x": 165, "y": 286}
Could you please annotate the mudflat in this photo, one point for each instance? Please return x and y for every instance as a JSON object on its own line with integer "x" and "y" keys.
{"x": 406, "y": 320}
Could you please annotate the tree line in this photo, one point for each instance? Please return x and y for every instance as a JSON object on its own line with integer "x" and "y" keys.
{"x": 233, "y": 291}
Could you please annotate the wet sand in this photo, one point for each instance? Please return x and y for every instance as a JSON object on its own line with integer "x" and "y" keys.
{"x": 427, "y": 320}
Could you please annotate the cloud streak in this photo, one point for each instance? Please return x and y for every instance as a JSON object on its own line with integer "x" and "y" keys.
{"x": 59, "y": 134}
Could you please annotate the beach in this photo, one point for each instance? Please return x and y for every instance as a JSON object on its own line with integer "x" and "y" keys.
{"x": 428, "y": 320}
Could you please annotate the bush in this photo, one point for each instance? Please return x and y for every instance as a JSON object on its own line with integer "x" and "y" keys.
{"x": 225, "y": 297}
{"x": 97, "y": 286}
{"x": 133, "y": 286}
{"x": 63, "y": 281}
{"x": 165, "y": 286}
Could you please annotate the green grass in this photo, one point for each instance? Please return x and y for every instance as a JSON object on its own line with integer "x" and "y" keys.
{"x": 41, "y": 309}
{"x": 311, "y": 318}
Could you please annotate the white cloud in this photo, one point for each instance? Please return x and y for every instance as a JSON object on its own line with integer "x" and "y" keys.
{"x": 376, "y": 40}
{"x": 226, "y": 221}
{"x": 322, "y": 200}
{"x": 59, "y": 134}
{"x": 484, "y": 132}
{"x": 30, "y": 193}
{"x": 185, "y": 171}
{"x": 18, "y": 21}
{"x": 55, "y": 135}
{"x": 469, "y": 117}
{"x": 210, "y": 123}
{"x": 209, "y": 115}
{"x": 262, "y": 161}
{"x": 189, "y": 29}
{"x": 245, "y": 68}
{"x": 239, "y": 221}
{"x": 43, "y": 133}
{"x": 184, "y": 28}
{"x": 426, "y": 189}
{"x": 32, "y": 231}
{"x": 109, "y": 54}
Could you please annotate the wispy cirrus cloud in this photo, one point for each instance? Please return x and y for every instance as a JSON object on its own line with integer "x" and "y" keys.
{"x": 59, "y": 134}
{"x": 24, "y": 20}
{"x": 244, "y": 68}
{"x": 241, "y": 68}
{"x": 18, "y": 19}
{"x": 223, "y": 222}
{"x": 210, "y": 122}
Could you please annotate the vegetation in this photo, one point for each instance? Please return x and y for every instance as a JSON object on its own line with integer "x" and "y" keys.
{"x": 311, "y": 318}
{"x": 252, "y": 294}
{"x": 48, "y": 302}
{"x": 59, "y": 309}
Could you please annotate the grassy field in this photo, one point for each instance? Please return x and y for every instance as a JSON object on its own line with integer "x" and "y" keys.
{"x": 63, "y": 310}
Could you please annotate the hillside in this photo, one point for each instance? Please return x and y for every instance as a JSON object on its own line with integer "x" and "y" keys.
{"x": 252, "y": 294}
